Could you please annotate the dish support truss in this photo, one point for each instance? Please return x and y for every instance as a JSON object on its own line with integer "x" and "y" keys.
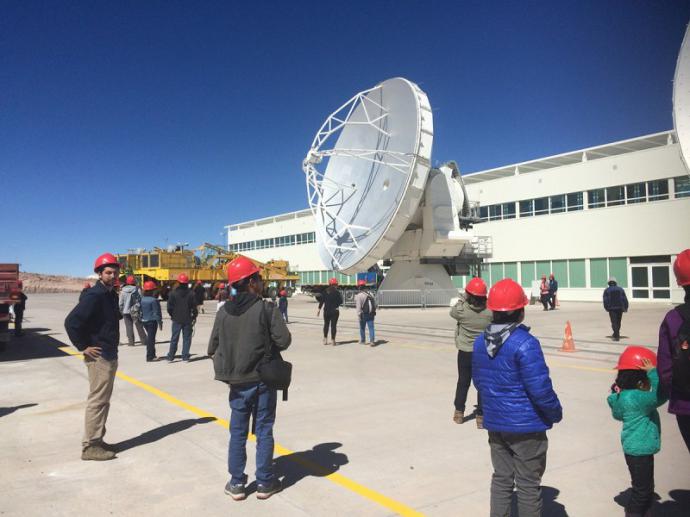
{"x": 337, "y": 234}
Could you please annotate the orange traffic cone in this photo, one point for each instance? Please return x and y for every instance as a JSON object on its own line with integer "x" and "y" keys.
{"x": 568, "y": 342}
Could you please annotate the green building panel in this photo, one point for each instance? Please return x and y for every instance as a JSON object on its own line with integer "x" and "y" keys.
{"x": 496, "y": 272}
{"x": 510, "y": 270}
{"x": 598, "y": 274}
{"x": 618, "y": 267}
{"x": 543, "y": 268}
{"x": 527, "y": 273}
{"x": 559, "y": 268}
{"x": 576, "y": 271}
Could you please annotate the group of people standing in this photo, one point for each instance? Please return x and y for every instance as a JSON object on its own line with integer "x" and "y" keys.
{"x": 548, "y": 290}
{"x": 330, "y": 301}
{"x": 516, "y": 402}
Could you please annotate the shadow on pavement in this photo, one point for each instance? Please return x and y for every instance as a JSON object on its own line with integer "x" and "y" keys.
{"x": 198, "y": 358}
{"x": 32, "y": 345}
{"x": 550, "y": 507}
{"x": 319, "y": 461}
{"x": 4, "y": 411}
{"x": 159, "y": 433}
{"x": 678, "y": 507}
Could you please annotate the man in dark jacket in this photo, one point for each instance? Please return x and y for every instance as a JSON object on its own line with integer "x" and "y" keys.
{"x": 615, "y": 303}
{"x": 199, "y": 296}
{"x": 93, "y": 326}
{"x": 553, "y": 291}
{"x": 19, "y": 308}
{"x": 518, "y": 401}
{"x": 182, "y": 311}
{"x": 330, "y": 300}
{"x": 244, "y": 327}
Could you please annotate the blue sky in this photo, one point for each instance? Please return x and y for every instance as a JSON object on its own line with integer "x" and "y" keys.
{"x": 133, "y": 124}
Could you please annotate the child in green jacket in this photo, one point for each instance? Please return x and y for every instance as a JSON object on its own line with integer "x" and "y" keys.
{"x": 634, "y": 399}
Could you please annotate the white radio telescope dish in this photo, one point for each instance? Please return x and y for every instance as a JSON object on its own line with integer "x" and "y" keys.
{"x": 366, "y": 171}
{"x": 374, "y": 195}
{"x": 681, "y": 99}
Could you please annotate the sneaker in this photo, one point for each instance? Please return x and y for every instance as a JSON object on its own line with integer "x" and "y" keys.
{"x": 97, "y": 453}
{"x": 185, "y": 359}
{"x": 372, "y": 343}
{"x": 325, "y": 341}
{"x": 362, "y": 342}
{"x": 458, "y": 417}
{"x": 480, "y": 421}
{"x": 266, "y": 491}
{"x": 237, "y": 492}
{"x": 333, "y": 342}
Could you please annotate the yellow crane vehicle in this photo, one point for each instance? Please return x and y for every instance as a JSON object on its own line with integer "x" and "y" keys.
{"x": 208, "y": 266}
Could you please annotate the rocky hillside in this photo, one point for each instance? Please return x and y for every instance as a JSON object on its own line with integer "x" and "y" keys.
{"x": 40, "y": 283}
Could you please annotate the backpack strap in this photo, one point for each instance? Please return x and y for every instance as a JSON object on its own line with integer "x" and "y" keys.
{"x": 268, "y": 314}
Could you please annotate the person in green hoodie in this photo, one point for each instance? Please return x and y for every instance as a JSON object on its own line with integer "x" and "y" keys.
{"x": 473, "y": 317}
{"x": 633, "y": 400}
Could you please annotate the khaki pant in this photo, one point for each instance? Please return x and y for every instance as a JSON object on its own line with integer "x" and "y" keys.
{"x": 101, "y": 379}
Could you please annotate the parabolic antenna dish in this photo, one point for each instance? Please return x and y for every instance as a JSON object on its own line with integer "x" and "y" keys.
{"x": 366, "y": 171}
{"x": 681, "y": 99}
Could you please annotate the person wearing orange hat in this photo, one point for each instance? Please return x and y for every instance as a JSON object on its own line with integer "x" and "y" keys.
{"x": 544, "y": 292}
{"x": 283, "y": 304}
{"x": 633, "y": 400}
{"x": 93, "y": 327}
{"x": 674, "y": 350}
{"x": 518, "y": 401}
{"x": 472, "y": 318}
{"x": 182, "y": 311}
{"x": 151, "y": 317}
{"x": 130, "y": 308}
{"x": 19, "y": 308}
{"x": 245, "y": 333}
{"x": 330, "y": 300}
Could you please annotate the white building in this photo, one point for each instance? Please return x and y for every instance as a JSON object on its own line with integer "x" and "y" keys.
{"x": 621, "y": 209}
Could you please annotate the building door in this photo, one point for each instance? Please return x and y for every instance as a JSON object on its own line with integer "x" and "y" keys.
{"x": 651, "y": 281}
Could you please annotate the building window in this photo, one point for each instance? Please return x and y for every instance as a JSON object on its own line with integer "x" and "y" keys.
{"x": 558, "y": 204}
{"x": 508, "y": 210}
{"x": 495, "y": 212}
{"x": 541, "y": 206}
{"x": 484, "y": 213}
{"x": 636, "y": 193}
{"x": 615, "y": 196}
{"x": 658, "y": 190}
{"x": 526, "y": 208}
{"x": 682, "y": 186}
{"x": 574, "y": 200}
{"x": 596, "y": 198}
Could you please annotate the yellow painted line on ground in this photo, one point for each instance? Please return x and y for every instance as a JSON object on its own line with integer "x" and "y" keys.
{"x": 338, "y": 479}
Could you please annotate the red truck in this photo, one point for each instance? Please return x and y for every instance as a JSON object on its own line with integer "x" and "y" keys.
{"x": 9, "y": 295}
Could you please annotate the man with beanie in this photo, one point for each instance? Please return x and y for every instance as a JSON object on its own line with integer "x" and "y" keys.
{"x": 615, "y": 303}
{"x": 518, "y": 401}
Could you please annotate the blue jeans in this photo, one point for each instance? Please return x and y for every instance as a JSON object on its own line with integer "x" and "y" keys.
{"x": 245, "y": 399}
{"x": 367, "y": 323}
{"x": 186, "y": 339}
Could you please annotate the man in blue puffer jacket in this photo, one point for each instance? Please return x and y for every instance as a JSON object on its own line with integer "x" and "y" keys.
{"x": 518, "y": 400}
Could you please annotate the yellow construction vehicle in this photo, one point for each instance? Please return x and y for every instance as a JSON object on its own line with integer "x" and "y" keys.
{"x": 163, "y": 267}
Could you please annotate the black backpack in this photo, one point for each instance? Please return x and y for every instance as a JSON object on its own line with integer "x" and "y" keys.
{"x": 369, "y": 307}
{"x": 680, "y": 355}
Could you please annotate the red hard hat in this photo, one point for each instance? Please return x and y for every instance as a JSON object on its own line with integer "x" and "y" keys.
{"x": 681, "y": 268}
{"x": 149, "y": 285}
{"x": 105, "y": 260}
{"x": 241, "y": 268}
{"x": 333, "y": 281}
{"x": 221, "y": 286}
{"x": 183, "y": 278}
{"x": 631, "y": 358}
{"x": 477, "y": 287}
{"x": 361, "y": 282}
{"x": 283, "y": 293}
{"x": 130, "y": 280}
{"x": 506, "y": 295}
{"x": 198, "y": 282}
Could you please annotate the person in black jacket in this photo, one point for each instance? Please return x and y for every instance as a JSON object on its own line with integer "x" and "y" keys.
{"x": 330, "y": 300}
{"x": 243, "y": 330}
{"x": 615, "y": 303}
{"x": 93, "y": 327}
{"x": 199, "y": 296}
{"x": 182, "y": 311}
{"x": 19, "y": 308}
